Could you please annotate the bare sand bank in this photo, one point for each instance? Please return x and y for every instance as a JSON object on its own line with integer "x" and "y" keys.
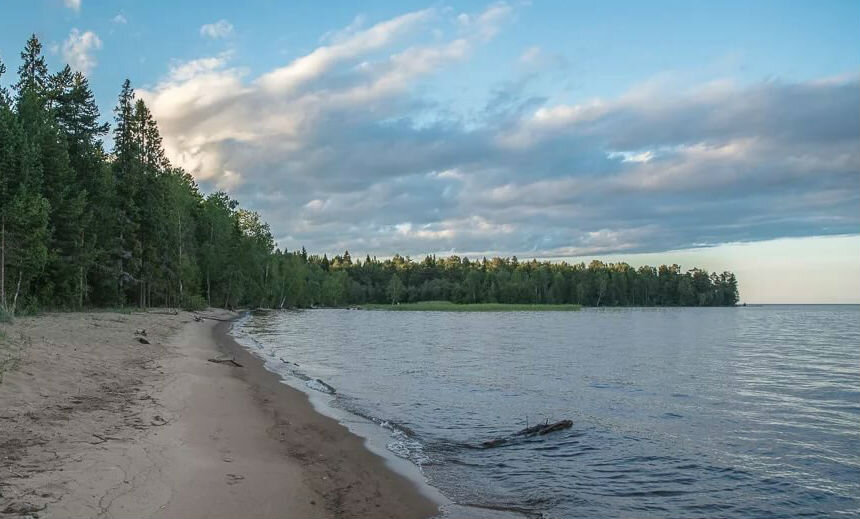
{"x": 95, "y": 424}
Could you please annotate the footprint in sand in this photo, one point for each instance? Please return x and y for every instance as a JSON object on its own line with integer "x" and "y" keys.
{"x": 233, "y": 479}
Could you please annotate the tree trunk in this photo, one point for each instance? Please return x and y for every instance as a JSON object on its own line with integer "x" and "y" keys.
{"x": 81, "y": 277}
{"x": 17, "y": 291}
{"x": 143, "y": 293}
{"x": 229, "y": 289}
{"x": 3, "y": 262}
{"x": 209, "y": 264}
{"x": 179, "y": 267}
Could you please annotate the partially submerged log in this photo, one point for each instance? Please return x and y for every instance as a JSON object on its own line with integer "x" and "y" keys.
{"x": 528, "y": 432}
{"x": 545, "y": 428}
{"x": 226, "y": 361}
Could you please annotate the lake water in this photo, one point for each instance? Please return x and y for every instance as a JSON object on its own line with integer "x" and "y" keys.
{"x": 681, "y": 412}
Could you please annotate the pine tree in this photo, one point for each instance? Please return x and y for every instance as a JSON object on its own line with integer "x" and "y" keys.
{"x": 77, "y": 115}
{"x": 33, "y": 72}
{"x": 23, "y": 211}
{"x": 125, "y": 250}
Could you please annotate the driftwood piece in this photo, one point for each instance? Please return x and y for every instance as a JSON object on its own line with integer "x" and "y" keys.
{"x": 158, "y": 421}
{"x": 103, "y": 439}
{"x": 226, "y": 361}
{"x": 202, "y": 317}
{"x": 528, "y": 432}
{"x": 544, "y": 428}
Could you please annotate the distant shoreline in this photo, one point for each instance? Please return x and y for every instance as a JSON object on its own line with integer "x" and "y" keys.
{"x": 445, "y": 306}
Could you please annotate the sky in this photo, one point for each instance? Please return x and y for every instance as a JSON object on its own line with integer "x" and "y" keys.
{"x": 724, "y": 135}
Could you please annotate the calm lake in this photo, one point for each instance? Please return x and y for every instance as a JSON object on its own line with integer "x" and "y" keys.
{"x": 681, "y": 412}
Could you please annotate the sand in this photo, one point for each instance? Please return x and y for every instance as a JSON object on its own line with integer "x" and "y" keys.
{"x": 95, "y": 424}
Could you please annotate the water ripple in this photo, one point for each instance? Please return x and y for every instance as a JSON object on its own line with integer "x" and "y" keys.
{"x": 732, "y": 412}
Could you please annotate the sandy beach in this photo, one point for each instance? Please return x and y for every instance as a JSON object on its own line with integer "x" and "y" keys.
{"x": 95, "y": 423}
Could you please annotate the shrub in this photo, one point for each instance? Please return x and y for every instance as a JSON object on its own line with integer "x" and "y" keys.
{"x": 194, "y": 303}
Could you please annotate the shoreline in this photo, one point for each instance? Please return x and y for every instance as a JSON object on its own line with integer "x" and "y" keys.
{"x": 375, "y": 436}
{"x": 282, "y": 400}
{"x": 95, "y": 423}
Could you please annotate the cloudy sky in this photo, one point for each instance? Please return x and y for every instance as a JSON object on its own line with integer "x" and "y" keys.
{"x": 725, "y": 135}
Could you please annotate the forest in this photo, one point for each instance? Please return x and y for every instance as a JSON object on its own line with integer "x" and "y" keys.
{"x": 81, "y": 226}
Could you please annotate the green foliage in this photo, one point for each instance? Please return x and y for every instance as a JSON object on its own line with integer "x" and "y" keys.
{"x": 509, "y": 281}
{"x": 194, "y": 303}
{"x": 80, "y": 227}
{"x": 447, "y": 306}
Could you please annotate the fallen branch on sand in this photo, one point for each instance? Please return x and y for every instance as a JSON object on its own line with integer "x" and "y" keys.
{"x": 226, "y": 361}
{"x": 199, "y": 318}
{"x": 528, "y": 432}
{"x": 103, "y": 439}
{"x": 23, "y": 509}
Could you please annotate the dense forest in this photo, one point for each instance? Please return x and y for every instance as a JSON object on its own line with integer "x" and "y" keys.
{"x": 83, "y": 227}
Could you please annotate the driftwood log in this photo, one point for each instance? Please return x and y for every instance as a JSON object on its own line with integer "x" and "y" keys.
{"x": 528, "y": 432}
{"x": 226, "y": 361}
{"x": 199, "y": 318}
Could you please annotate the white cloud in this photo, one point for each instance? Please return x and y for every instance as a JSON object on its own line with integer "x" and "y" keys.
{"x": 323, "y": 58}
{"x": 336, "y": 151}
{"x": 78, "y": 50}
{"x": 183, "y": 71}
{"x": 219, "y": 29}
{"x": 119, "y": 19}
{"x": 485, "y": 25}
{"x": 74, "y": 5}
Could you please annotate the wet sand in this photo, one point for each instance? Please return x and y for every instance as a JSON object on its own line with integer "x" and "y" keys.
{"x": 94, "y": 423}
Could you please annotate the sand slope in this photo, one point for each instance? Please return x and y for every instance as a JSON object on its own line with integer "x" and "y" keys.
{"x": 95, "y": 424}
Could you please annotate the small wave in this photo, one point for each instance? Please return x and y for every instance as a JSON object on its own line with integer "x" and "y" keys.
{"x": 404, "y": 443}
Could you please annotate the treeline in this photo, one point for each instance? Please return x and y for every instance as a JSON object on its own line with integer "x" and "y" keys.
{"x": 83, "y": 227}
{"x": 503, "y": 280}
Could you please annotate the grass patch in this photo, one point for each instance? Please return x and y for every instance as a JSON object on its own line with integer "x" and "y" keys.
{"x": 447, "y": 306}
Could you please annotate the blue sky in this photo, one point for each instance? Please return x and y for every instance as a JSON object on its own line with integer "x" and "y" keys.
{"x": 712, "y": 133}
